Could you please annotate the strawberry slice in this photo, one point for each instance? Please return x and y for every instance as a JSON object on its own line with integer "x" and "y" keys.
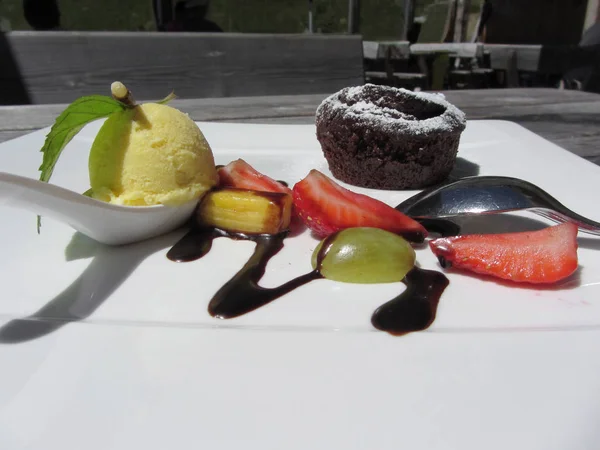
{"x": 326, "y": 207}
{"x": 239, "y": 174}
{"x": 543, "y": 256}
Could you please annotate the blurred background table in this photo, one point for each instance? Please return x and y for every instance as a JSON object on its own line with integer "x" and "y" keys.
{"x": 570, "y": 119}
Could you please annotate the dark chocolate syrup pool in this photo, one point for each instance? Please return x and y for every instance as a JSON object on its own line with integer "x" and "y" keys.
{"x": 413, "y": 310}
{"x": 416, "y": 307}
{"x": 242, "y": 293}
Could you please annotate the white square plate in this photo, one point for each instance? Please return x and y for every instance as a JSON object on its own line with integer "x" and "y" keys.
{"x": 130, "y": 358}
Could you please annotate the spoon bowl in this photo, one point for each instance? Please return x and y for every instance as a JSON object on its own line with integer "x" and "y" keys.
{"x": 491, "y": 195}
{"x": 106, "y": 223}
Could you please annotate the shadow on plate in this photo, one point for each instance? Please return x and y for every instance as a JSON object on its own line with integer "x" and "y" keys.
{"x": 109, "y": 268}
{"x": 589, "y": 243}
{"x": 482, "y": 224}
{"x": 463, "y": 168}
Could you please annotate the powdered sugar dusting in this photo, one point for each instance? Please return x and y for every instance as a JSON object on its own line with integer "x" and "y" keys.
{"x": 369, "y": 106}
{"x": 363, "y": 107}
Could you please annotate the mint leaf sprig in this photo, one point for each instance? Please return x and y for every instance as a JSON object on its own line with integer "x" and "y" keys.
{"x": 78, "y": 114}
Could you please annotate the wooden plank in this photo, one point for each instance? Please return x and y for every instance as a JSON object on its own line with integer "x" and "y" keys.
{"x": 8, "y": 135}
{"x": 576, "y": 117}
{"x": 565, "y": 135}
{"x": 571, "y": 119}
{"x": 593, "y": 159}
{"x": 485, "y": 103}
{"x": 293, "y": 120}
{"x": 193, "y": 64}
{"x": 477, "y": 103}
{"x": 522, "y": 97}
{"x": 31, "y": 117}
{"x": 458, "y": 49}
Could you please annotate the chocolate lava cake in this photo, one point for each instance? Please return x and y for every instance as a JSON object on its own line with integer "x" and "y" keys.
{"x": 388, "y": 138}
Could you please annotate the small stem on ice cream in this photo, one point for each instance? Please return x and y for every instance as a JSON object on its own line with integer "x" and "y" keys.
{"x": 120, "y": 93}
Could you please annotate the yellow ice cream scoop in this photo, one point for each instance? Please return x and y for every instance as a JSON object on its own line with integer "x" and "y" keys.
{"x": 150, "y": 154}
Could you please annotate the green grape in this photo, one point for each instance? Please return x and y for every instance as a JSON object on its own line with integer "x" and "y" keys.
{"x": 364, "y": 255}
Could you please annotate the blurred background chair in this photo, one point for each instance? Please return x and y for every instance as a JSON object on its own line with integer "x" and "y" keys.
{"x": 439, "y": 22}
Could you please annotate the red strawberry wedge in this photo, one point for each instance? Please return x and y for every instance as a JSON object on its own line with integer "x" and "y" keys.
{"x": 326, "y": 207}
{"x": 543, "y": 256}
{"x": 239, "y": 174}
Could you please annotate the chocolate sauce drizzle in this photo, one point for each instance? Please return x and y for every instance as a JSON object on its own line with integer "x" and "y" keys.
{"x": 194, "y": 245}
{"x": 416, "y": 307}
{"x": 242, "y": 293}
{"x": 413, "y": 310}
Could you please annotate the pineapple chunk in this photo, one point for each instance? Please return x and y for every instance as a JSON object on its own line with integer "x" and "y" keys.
{"x": 245, "y": 211}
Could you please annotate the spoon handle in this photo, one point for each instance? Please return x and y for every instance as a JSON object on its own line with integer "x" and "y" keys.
{"x": 584, "y": 224}
{"x": 104, "y": 222}
{"x": 39, "y": 197}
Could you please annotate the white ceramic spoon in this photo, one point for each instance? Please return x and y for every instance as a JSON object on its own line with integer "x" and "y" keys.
{"x": 104, "y": 222}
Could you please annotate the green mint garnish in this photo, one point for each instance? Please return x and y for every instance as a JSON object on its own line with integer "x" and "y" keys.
{"x": 79, "y": 113}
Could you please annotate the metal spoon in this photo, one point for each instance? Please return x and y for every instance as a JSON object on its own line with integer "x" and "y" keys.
{"x": 104, "y": 222}
{"x": 490, "y": 195}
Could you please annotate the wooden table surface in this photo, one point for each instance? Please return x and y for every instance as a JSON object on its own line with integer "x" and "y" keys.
{"x": 570, "y": 119}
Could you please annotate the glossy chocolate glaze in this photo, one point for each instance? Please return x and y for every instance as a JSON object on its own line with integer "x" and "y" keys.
{"x": 413, "y": 310}
{"x": 416, "y": 307}
{"x": 242, "y": 293}
{"x": 194, "y": 245}
{"x": 413, "y": 236}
